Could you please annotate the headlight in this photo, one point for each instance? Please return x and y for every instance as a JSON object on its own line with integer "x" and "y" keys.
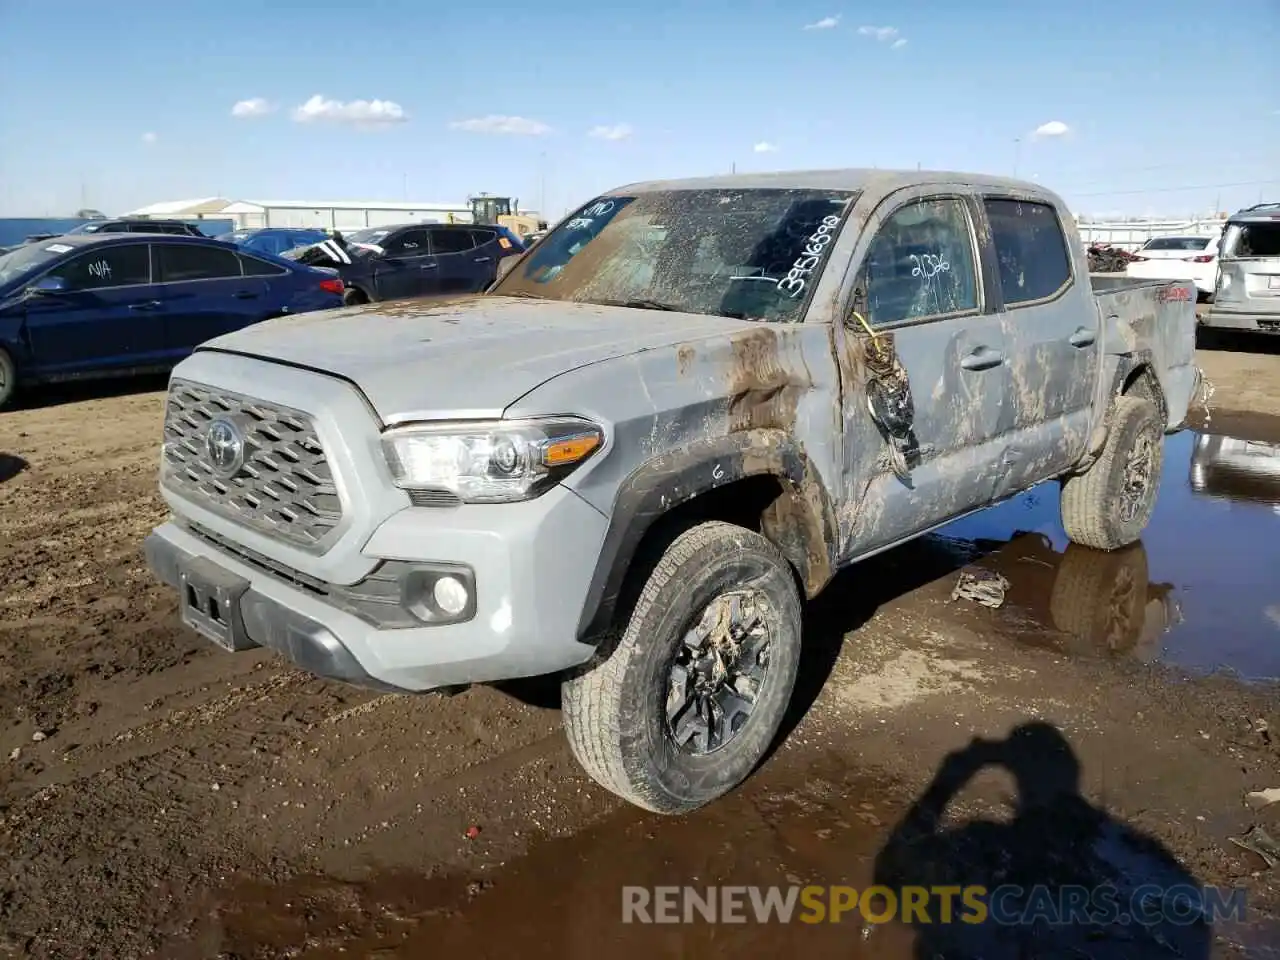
{"x": 491, "y": 461}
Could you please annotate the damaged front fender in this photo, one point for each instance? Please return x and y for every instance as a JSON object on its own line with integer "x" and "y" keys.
{"x": 800, "y": 519}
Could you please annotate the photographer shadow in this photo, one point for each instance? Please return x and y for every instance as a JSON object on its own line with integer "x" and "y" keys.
{"x": 1062, "y": 877}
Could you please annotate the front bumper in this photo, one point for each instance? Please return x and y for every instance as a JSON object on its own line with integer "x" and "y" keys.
{"x": 1253, "y": 320}
{"x": 532, "y": 564}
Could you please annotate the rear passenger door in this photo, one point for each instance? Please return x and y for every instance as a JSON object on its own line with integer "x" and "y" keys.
{"x": 109, "y": 316}
{"x": 204, "y": 293}
{"x": 462, "y": 266}
{"x": 1051, "y": 333}
{"x": 491, "y": 248}
{"x": 407, "y": 268}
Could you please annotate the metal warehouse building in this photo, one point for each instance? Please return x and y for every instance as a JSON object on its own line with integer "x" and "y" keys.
{"x": 334, "y": 214}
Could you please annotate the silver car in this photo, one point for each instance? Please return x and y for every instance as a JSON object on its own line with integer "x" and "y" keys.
{"x": 1248, "y": 288}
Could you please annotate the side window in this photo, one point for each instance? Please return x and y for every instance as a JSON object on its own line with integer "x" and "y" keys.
{"x": 253, "y": 267}
{"x": 114, "y": 266}
{"x": 176, "y": 262}
{"x": 451, "y": 241}
{"x": 920, "y": 264}
{"x": 481, "y": 237}
{"x": 113, "y": 228}
{"x": 411, "y": 243}
{"x": 1031, "y": 250}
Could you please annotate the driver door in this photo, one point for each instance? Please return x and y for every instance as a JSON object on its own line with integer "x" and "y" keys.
{"x": 929, "y": 334}
{"x": 110, "y": 314}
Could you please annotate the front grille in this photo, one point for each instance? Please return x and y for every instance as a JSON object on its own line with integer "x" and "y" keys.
{"x": 284, "y": 487}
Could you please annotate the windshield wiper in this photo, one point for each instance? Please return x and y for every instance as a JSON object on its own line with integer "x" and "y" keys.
{"x": 524, "y": 294}
{"x": 639, "y": 304}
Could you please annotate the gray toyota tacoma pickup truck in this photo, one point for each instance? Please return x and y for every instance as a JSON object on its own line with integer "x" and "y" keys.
{"x": 632, "y": 460}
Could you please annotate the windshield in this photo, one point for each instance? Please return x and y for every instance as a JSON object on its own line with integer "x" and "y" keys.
{"x": 29, "y": 257}
{"x": 1252, "y": 240}
{"x": 1178, "y": 243}
{"x": 239, "y": 236}
{"x": 371, "y": 235}
{"x": 88, "y": 227}
{"x": 736, "y": 253}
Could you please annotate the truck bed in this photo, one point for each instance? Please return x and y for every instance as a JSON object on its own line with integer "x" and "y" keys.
{"x": 1154, "y": 320}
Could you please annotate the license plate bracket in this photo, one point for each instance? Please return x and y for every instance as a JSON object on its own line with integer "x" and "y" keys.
{"x": 209, "y": 601}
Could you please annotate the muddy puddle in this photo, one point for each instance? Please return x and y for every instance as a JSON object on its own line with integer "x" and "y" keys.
{"x": 811, "y": 829}
{"x": 1199, "y": 592}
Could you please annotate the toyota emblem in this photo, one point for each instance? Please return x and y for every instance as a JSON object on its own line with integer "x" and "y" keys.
{"x": 225, "y": 446}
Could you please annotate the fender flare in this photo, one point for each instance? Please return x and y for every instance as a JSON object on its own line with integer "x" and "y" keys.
{"x": 801, "y": 522}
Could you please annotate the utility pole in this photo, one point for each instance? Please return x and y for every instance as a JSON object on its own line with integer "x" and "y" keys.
{"x": 542, "y": 184}
{"x": 734, "y": 167}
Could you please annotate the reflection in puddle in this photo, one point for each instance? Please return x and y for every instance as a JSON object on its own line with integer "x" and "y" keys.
{"x": 1199, "y": 591}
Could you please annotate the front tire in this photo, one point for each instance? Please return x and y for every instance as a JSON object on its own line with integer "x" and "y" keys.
{"x": 1109, "y": 505}
{"x": 8, "y": 379}
{"x": 353, "y": 297}
{"x": 685, "y": 704}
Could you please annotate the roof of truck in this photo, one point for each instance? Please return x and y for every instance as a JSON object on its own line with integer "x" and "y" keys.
{"x": 855, "y": 178}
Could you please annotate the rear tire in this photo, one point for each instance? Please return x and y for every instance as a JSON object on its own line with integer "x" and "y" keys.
{"x": 719, "y": 617}
{"x": 8, "y": 379}
{"x": 1109, "y": 505}
{"x": 353, "y": 297}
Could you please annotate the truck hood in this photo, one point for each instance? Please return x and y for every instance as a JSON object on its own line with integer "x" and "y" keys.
{"x": 466, "y": 357}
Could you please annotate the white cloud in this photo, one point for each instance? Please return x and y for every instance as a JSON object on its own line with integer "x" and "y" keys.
{"x": 497, "y": 123}
{"x": 881, "y": 34}
{"x": 764, "y": 146}
{"x": 357, "y": 113}
{"x": 826, "y": 23}
{"x": 619, "y": 131}
{"x": 149, "y": 138}
{"x": 1054, "y": 128}
{"x": 898, "y": 44}
{"x": 253, "y": 107}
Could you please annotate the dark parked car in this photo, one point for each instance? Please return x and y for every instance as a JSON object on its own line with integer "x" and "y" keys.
{"x": 81, "y": 306}
{"x": 124, "y": 225}
{"x": 274, "y": 240}
{"x": 416, "y": 259}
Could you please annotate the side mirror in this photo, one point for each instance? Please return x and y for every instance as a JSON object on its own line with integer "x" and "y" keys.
{"x": 48, "y": 286}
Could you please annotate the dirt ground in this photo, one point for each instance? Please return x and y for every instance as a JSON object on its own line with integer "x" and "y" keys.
{"x": 160, "y": 797}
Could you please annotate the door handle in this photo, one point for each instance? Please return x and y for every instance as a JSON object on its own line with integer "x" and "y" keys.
{"x": 983, "y": 358}
{"x": 246, "y": 295}
{"x": 430, "y": 266}
{"x": 1082, "y": 337}
{"x": 483, "y": 259}
{"x": 145, "y": 305}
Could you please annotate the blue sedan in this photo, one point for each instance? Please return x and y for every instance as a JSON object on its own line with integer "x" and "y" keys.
{"x": 105, "y": 305}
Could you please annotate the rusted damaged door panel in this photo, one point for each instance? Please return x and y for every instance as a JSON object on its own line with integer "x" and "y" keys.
{"x": 958, "y": 384}
{"x": 914, "y": 277}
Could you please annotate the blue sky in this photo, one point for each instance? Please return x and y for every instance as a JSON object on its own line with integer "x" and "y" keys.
{"x": 1166, "y": 107}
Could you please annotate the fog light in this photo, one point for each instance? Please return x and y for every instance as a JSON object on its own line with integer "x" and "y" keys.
{"x": 450, "y": 595}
